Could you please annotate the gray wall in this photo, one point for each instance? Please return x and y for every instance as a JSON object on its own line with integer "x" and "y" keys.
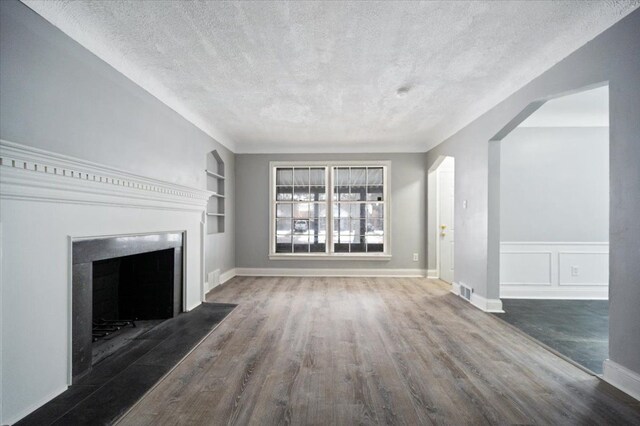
{"x": 408, "y": 179}
{"x": 554, "y": 184}
{"x": 613, "y": 57}
{"x": 56, "y": 95}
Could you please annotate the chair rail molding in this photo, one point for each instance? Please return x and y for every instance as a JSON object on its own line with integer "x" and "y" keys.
{"x": 30, "y": 173}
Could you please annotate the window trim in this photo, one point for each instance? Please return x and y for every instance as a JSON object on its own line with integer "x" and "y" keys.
{"x": 330, "y": 254}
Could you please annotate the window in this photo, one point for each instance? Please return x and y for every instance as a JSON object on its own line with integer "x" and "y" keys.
{"x": 334, "y": 209}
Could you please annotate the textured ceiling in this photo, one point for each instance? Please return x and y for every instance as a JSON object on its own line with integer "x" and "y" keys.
{"x": 331, "y": 77}
{"x": 589, "y": 108}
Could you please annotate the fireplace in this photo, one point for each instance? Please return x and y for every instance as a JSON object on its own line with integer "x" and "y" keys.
{"x": 121, "y": 287}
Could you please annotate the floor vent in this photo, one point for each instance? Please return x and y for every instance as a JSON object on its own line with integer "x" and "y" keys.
{"x": 465, "y": 292}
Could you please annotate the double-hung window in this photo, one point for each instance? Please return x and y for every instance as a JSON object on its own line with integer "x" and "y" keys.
{"x": 325, "y": 210}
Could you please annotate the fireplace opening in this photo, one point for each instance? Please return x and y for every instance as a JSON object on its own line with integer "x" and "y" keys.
{"x": 122, "y": 288}
{"x": 131, "y": 295}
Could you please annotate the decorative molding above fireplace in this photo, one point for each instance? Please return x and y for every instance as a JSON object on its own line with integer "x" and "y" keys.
{"x": 36, "y": 174}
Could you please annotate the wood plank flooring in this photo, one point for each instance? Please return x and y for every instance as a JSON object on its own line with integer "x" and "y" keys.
{"x": 371, "y": 351}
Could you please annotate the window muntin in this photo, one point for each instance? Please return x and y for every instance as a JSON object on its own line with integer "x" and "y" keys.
{"x": 322, "y": 210}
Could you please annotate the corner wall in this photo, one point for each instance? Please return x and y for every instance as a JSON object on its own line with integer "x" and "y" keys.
{"x": 613, "y": 57}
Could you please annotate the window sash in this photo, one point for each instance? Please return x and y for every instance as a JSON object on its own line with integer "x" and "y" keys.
{"x": 375, "y": 245}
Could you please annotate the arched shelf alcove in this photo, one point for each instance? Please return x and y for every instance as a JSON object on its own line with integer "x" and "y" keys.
{"x": 215, "y": 183}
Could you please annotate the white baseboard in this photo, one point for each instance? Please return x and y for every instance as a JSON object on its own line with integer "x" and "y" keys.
{"x": 33, "y": 407}
{"x": 432, "y": 273}
{"x": 487, "y": 305}
{"x": 227, "y": 275}
{"x": 480, "y": 302}
{"x": 624, "y": 379}
{"x": 328, "y": 272}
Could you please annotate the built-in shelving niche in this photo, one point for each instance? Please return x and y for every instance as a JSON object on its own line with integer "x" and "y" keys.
{"x": 215, "y": 183}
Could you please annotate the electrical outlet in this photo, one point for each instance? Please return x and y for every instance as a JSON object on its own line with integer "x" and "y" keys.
{"x": 464, "y": 204}
{"x": 575, "y": 271}
{"x": 415, "y": 257}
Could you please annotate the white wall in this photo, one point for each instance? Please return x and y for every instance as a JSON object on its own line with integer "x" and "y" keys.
{"x": 57, "y": 96}
{"x": 554, "y": 213}
{"x": 554, "y": 184}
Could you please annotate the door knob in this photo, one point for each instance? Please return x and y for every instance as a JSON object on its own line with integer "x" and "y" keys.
{"x": 443, "y": 226}
{"x": 442, "y": 234}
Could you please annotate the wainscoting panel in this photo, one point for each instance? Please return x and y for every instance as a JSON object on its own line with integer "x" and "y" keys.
{"x": 554, "y": 270}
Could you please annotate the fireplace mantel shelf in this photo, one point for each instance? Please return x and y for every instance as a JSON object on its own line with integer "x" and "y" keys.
{"x": 31, "y": 173}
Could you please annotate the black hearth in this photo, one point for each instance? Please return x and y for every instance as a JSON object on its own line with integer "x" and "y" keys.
{"x": 122, "y": 287}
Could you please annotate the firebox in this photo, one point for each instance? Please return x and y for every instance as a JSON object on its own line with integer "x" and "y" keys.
{"x": 121, "y": 287}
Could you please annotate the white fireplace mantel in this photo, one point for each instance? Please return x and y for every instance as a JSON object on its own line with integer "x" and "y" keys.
{"x": 36, "y": 174}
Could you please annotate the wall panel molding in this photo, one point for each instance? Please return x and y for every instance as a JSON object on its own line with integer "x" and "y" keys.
{"x": 554, "y": 270}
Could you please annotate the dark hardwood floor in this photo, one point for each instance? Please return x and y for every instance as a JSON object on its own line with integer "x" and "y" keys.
{"x": 371, "y": 351}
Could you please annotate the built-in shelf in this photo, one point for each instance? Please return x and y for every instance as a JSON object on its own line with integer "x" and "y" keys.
{"x": 215, "y": 184}
{"x": 215, "y": 175}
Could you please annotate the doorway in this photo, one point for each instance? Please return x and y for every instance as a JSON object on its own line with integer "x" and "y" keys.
{"x": 553, "y": 226}
{"x": 441, "y": 235}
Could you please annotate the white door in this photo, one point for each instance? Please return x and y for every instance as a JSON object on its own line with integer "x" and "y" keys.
{"x": 445, "y": 223}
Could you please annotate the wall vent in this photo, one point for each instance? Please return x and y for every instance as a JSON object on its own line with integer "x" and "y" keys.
{"x": 465, "y": 291}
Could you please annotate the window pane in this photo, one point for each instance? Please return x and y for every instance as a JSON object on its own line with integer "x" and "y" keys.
{"x": 374, "y": 226}
{"x": 283, "y": 226}
{"x": 284, "y": 193}
{"x": 301, "y": 176}
{"x": 284, "y": 176}
{"x": 357, "y": 210}
{"x": 318, "y": 247}
{"x": 358, "y": 227}
{"x": 283, "y": 244}
{"x": 318, "y": 193}
{"x": 358, "y": 176}
{"x": 300, "y": 226}
{"x": 300, "y": 210}
{"x": 374, "y": 239}
{"x": 283, "y": 210}
{"x": 319, "y": 210}
{"x": 341, "y": 248}
{"x": 375, "y": 248}
{"x": 374, "y": 193}
{"x": 374, "y": 175}
{"x": 344, "y": 193}
{"x": 340, "y": 210}
{"x": 317, "y": 176}
{"x": 301, "y": 193}
{"x": 301, "y": 243}
{"x": 358, "y": 248}
{"x": 341, "y": 176}
{"x": 375, "y": 210}
{"x": 358, "y": 193}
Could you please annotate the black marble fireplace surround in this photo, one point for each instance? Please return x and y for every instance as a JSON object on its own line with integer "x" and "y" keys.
{"x": 135, "y": 277}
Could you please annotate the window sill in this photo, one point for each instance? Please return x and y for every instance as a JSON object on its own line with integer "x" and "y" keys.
{"x": 335, "y": 256}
